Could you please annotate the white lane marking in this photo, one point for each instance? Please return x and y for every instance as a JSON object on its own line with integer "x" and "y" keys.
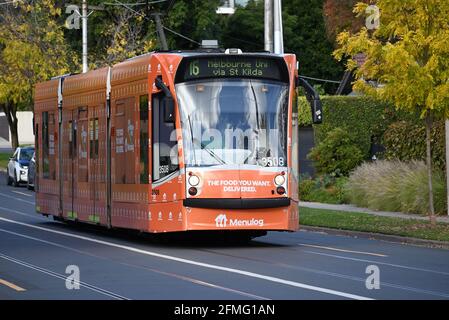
{"x": 363, "y": 280}
{"x": 343, "y": 276}
{"x": 24, "y": 194}
{"x": 200, "y": 264}
{"x": 23, "y": 213}
{"x": 208, "y": 284}
{"x": 47, "y": 242}
{"x": 63, "y": 277}
{"x": 246, "y": 294}
{"x": 14, "y": 198}
{"x": 343, "y": 250}
{"x": 188, "y": 279}
{"x": 378, "y": 262}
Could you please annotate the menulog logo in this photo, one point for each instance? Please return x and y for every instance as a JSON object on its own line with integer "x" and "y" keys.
{"x": 221, "y": 222}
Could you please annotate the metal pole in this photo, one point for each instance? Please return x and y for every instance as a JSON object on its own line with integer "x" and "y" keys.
{"x": 281, "y": 27}
{"x": 268, "y": 21}
{"x": 84, "y": 19}
{"x": 278, "y": 36}
{"x": 446, "y": 123}
{"x": 160, "y": 31}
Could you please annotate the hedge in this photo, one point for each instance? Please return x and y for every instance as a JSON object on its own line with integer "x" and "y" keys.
{"x": 406, "y": 140}
{"x": 368, "y": 120}
{"x": 364, "y": 118}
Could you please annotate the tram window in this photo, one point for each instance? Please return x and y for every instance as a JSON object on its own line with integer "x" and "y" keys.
{"x": 36, "y": 151}
{"x": 120, "y": 175}
{"x": 52, "y": 144}
{"x": 45, "y": 147}
{"x": 82, "y": 132}
{"x": 143, "y": 111}
{"x": 70, "y": 132}
{"x": 125, "y": 140}
{"x": 165, "y": 150}
{"x": 295, "y": 145}
{"x": 93, "y": 138}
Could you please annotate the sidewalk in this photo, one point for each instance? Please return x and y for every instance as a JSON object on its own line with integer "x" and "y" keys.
{"x": 351, "y": 208}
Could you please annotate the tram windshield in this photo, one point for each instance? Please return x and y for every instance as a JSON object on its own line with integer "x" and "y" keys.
{"x": 234, "y": 121}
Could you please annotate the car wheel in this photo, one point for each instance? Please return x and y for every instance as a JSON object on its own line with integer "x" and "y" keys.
{"x": 15, "y": 182}
{"x": 8, "y": 178}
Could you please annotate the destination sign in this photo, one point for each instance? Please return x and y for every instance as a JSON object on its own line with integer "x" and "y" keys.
{"x": 232, "y": 67}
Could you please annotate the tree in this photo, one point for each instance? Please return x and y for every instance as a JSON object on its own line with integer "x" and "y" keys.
{"x": 116, "y": 31}
{"x": 339, "y": 17}
{"x": 32, "y": 49}
{"x": 304, "y": 35}
{"x": 409, "y": 56}
{"x": 245, "y": 28}
{"x": 128, "y": 37}
{"x": 195, "y": 19}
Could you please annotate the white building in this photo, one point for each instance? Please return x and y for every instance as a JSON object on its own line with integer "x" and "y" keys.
{"x": 25, "y": 129}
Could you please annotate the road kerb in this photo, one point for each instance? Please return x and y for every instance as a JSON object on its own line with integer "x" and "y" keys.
{"x": 379, "y": 236}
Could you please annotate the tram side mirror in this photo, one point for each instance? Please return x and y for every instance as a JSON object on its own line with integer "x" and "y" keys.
{"x": 314, "y": 100}
{"x": 168, "y": 104}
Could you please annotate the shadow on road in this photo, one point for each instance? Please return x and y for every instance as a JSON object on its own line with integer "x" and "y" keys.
{"x": 189, "y": 239}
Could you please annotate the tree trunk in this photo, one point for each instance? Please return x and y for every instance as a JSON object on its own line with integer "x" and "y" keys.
{"x": 14, "y": 134}
{"x": 10, "y": 110}
{"x": 429, "y": 167}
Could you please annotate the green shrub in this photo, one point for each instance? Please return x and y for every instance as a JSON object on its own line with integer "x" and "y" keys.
{"x": 337, "y": 154}
{"x": 306, "y": 187}
{"x": 325, "y": 189}
{"x": 406, "y": 140}
{"x": 396, "y": 186}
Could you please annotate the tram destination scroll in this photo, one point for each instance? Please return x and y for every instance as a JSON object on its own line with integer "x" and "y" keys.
{"x": 231, "y": 67}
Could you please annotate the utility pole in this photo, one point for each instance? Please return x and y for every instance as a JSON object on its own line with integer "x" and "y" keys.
{"x": 84, "y": 15}
{"x": 84, "y": 20}
{"x": 278, "y": 32}
{"x": 160, "y": 31}
{"x": 268, "y": 22}
{"x": 147, "y": 15}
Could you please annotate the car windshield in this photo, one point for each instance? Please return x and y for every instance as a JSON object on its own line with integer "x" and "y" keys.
{"x": 26, "y": 154}
{"x": 234, "y": 122}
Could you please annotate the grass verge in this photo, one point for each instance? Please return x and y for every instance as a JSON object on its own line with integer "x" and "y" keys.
{"x": 4, "y": 158}
{"x": 355, "y": 221}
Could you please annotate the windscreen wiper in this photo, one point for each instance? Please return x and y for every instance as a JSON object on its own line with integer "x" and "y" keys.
{"x": 204, "y": 147}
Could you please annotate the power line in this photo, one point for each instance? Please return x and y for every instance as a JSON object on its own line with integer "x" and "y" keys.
{"x": 130, "y": 9}
{"x": 147, "y": 18}
{"x": 133, "y": 4}
{"x": 321, "y": 80}
{"x": 181, "y": 35}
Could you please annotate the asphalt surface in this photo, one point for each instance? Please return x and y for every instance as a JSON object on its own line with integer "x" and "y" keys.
{"x": 35, "y": 252}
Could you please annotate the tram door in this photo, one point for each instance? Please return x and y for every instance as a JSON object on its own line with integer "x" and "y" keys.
{"x": 97, "y": 160}
{"x": 81, "y": 207}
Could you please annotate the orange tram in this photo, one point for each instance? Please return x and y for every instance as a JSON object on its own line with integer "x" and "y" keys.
{"x": 173, "y": 141}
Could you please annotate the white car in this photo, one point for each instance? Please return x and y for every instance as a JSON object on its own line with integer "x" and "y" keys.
{"x": 17, "y": 170}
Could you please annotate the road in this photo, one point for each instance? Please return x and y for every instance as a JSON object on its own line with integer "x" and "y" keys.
{"x": 35, "y": 252}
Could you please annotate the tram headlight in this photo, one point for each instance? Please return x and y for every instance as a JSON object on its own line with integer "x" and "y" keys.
{"x": 194, "y": 180}
{"x": 279, "y": 180}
